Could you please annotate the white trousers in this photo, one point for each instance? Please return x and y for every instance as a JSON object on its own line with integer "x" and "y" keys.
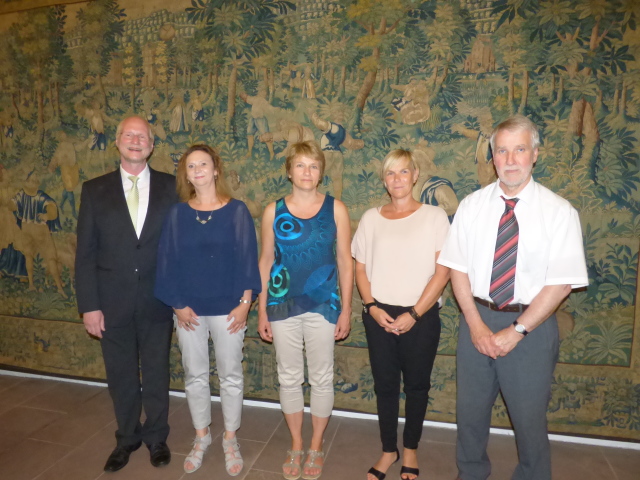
{"x": 317, "y": 335}
{"x": 194, "y": 345}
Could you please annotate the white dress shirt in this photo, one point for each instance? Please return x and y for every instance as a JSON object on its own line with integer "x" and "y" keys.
{"x": 550, "y": 249}
{"x": 144, "y": 182}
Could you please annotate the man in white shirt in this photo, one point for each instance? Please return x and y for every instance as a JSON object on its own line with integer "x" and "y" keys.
{"x": 119, "y": 225}
{"x": 515, "y": 252}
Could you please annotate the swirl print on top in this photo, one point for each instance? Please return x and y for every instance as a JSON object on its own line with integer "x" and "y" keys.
{"x": 304, "y": 275}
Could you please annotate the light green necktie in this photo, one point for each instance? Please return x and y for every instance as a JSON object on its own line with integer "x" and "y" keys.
{"x": 133, "y": 200}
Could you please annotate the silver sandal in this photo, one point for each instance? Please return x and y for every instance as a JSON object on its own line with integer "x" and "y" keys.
{"x": 311, "y": 463}
{"x": 200, "y": 446}
{"x": 232, "y": 455}
{"x": 291, "y": 456}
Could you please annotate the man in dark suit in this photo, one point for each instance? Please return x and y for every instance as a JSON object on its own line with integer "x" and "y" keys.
{"x": 119, "y": 226}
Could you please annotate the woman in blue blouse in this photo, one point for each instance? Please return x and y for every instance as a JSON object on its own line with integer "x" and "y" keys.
{"x": 306, "y": 271}
{"x": 208, "y": 272}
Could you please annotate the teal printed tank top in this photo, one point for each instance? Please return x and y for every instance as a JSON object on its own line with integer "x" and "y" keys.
{"x": 304, "y": 276}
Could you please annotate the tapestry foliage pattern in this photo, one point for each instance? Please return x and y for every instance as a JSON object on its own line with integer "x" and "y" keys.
{"x": 361, "y": 77}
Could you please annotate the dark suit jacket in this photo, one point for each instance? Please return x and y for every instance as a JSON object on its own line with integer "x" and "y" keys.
{"x": 116, "y": 271}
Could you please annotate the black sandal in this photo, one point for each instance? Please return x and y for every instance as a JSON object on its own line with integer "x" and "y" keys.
{"x": 381, "y": 475}
{"x": 410, "y": 471}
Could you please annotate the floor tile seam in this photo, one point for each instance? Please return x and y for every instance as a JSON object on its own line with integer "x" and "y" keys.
{"x": 273, "y": 432}
{"x": 43, "y": 409}
{"x": 606, "y": 458}
{"x": 73, "y": 449}
{"x": 335, "y": 433}
{"x": 94, "y": 434}
{"x": 439, "y": 442}
{"x": 263, "y": 470}
{"x": 175, "y": 410}
{"x": 267, "y": 441}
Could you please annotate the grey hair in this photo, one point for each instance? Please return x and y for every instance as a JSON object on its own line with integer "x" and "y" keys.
{"x": 517, "y": 122}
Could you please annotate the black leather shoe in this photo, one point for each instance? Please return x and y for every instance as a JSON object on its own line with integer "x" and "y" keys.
{"x": 160, "y": 454}
{"x": 120, "y": 457}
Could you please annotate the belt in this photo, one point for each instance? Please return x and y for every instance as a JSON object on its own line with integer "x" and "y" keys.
{"x": 514, "y": 307}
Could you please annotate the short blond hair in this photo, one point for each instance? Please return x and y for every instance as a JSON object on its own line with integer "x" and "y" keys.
{"x": 394, "y": 157}
{"x": 309, "y": 149}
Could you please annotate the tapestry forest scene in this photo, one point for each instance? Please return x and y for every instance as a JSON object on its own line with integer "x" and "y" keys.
{"x": 361, "y": 77}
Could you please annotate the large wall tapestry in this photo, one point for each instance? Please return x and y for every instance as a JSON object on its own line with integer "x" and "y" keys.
{"x": 361, "y": 77}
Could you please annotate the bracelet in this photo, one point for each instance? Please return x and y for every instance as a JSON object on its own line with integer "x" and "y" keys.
{"x": 414, "y": 314}
{"x": 242, "y": 300}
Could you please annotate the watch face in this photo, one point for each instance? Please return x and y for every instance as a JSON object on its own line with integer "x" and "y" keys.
{"x": 520, "y": 329}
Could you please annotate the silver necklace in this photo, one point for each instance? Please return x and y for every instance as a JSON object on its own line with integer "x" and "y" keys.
{"x": 203, "y": 221}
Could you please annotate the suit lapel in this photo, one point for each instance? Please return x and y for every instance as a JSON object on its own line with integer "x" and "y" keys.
{"x": 153, "y": 209}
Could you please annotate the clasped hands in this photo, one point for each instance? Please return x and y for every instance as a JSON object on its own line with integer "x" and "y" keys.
{"x": 497, "y": 344}
{"x": 397, "y": 326}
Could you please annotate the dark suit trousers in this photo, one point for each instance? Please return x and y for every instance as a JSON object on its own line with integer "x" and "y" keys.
{"x": 524, "y": 377}
{"x": 131, "y": 351}
{"x": 411, "y": 354}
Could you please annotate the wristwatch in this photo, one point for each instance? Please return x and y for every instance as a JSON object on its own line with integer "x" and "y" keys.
{"x": 367, "y": 306}
{"x": 520, "y": 328}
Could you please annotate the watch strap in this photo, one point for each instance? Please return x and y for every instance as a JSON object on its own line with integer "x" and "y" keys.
{"x": 521, "y": 330}
{"x": 367, "y": 306}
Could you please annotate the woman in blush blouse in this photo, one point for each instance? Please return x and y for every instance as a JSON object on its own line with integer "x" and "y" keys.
{"x": 396, "y": 247}
{"x": 208, "y": 272}
{"x": 307, "y": 273}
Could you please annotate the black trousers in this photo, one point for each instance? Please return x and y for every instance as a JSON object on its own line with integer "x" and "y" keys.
{"x": 411, "y": 355}
{"x": 139, "y": 349}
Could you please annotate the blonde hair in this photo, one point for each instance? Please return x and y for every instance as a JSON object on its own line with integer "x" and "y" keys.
{"x": 394, "y": 157}
{"x": 514, "y": 123}
{"x": 309, "y": 149}
{"x": 142, "y": 119}
{"x": 185, "y": 189}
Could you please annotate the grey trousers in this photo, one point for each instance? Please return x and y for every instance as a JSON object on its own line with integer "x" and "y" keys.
{"x": 524, "y": 377}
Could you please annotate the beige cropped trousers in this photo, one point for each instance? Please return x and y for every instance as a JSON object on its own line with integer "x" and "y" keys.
{"x": 316, "y": 334}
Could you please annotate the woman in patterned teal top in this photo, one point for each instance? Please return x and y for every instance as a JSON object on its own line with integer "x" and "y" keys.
{"x": 304, "y": 274}
{"x": 307, "y": 279}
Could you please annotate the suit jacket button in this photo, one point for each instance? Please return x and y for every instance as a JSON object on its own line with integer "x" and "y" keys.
{"x": 138, "y": 247}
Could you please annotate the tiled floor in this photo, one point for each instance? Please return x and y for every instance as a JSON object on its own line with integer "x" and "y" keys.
{"x": 53, "y": 430}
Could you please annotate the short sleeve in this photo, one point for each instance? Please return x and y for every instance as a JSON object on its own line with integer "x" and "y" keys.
{"x": 441, "y": 228}
{"x": 567, "y": 265}
{"x": 359, "y": 242}
{"x": 454, "y": 249}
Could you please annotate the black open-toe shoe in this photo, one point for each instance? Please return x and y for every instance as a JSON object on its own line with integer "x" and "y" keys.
{"x": 409, "y": 471}
{"x": 380, "y": 475}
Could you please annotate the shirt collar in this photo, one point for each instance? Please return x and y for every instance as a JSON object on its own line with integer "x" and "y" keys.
{"x": 525, "y": 195}
{"x": 143, "y": 176}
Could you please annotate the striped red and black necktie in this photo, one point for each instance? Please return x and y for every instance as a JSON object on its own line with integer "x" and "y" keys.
{"x": 503, "y": 274}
